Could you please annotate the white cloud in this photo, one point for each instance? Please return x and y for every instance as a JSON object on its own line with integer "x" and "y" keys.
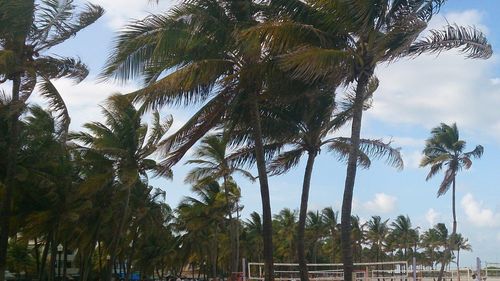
{"x": 381, "y": 203}
{"x": 412, "y": 158}
{"x": 428, "y": 90}
{"x": 495, "y": 81}
{"x": 432, "y": 217}
{"x": 479, "y": 215}
{"x": 118, "y": 13}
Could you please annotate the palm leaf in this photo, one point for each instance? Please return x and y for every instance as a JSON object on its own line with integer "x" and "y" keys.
{"x": 469, "y": 40}
{"x": 56, "y": 103}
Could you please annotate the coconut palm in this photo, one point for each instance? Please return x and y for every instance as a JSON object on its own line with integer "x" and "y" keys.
{"x": 445, "y": 149}
{"x": 331, "y": 221}
{"x": 27, "y": 33}
{"x": 213, "y": 162}
{"x": 343, "y": 41}
{"x": 130, "y": 144}
{"x": 460, "y": 243}
{"x": 404, "y": 234}
{"x": 377, "y": 231}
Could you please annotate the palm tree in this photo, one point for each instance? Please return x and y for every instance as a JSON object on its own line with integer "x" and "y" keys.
{"x": 213, "y": 163}
{"x": 404, "y": 233}
{"x": 460, "y": 243}
{"x": 309, "y": 124}
{"x": 27, "y": 32}
{"x": 129, "y": 144}
{"x": 286, "y": 223}
{"x": 445, "y": 149}
{"x": 194, "y": 55}
{"x": 343, "y": 41}
{"x": 331, "y": 221}
{"x": 377, "y": 231}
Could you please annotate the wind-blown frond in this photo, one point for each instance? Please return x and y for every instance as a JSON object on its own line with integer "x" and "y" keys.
{"x": 75, "y": 23}
{"x": 188, "y": 85}
{"x": 55, "y": 68}
{"x": 469, "y": 40}
{"x": 311, "y": 64}
{"x": 286, "y": 161}
{"x": 56, "y": 103}
{"x": 449, "y": 176}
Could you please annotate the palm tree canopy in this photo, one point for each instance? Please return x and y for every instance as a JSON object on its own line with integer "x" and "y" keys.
{"x": 445, "y": 149}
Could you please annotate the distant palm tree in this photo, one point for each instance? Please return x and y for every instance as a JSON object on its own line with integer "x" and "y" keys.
{"x": 376, "y": 233}
{"x": 445, "y": 149}
{"x": 212, "y": 162}
{"x": 331, "y": 221}
{"x": 460, "y": 243}
{"x": 404, "y": 233}
{"x": 27, "y": 33}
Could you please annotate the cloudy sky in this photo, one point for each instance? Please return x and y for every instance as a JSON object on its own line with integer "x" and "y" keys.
{"x": 414, "y": 96}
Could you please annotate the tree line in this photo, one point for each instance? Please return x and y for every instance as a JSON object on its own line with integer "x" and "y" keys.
{"x": 275, "y": 80}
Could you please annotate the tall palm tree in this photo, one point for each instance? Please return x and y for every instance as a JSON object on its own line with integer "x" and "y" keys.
{"x": 193, "y": 55}
{"x": 27, "y": 33}
{"x": 344, "y": 41}
{"x": 445, "y": 149}
{"x": 130, "y": 144}
{"x": 213, "y": 162}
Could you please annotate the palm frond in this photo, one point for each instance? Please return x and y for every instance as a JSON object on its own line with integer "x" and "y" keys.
{"x": 311, "y": 64}
{"x": 55, "y": 68}
{"x": 449, "y": 176}
{"x": 436, "y": 168}
{"x": 190, "y": 84}
{"x": 72, "y": 26}
{"x": 56, "y": 103}
{"x": 469, "y": 40}
{"x": 476, "y": 153}
{"x": 286, "y": 161}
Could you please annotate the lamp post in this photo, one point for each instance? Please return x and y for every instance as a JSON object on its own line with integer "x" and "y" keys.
{"x": 59, "y": 252}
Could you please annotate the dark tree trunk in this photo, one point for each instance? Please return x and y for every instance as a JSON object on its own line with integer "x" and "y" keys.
{"x": 37, "y": 257}
{"x": 267, "y": 228}
{"x": 451, "y": 242}
{"x": 10, "y": 173}
{"x": 65, "y": 261}
{"x": 117, "y": 237}
{"x": 304, "y": 274}
{"x": 351, "y": 174}
{"x": 45, "y": 254}
{"x": 233, "y": 262}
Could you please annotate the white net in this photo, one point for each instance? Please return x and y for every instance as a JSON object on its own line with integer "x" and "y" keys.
{"x": 375, "y": 271}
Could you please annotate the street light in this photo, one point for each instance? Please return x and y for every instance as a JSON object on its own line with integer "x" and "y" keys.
{"x": 59, "y": 252}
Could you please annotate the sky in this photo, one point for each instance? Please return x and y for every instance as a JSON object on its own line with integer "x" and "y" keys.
{"x": 414, "y": 96}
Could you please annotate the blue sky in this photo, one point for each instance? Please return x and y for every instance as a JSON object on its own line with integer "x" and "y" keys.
{"x": 414, "y": 96}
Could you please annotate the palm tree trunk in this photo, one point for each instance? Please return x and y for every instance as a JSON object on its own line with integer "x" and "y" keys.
{"x": 267, "y": 228}
{"x": 351, "y": 174}
{"x": 65, "y": 261}
{"x": 45, "y": 253}
{"x": 118, "y": 234}
{"x": 10, "y": 174}
{"x": 451, "y": 242}
{"x": 233, "y": 262}
{"x": 37, "y": 257}
{"x": 304, "y": 274}
{"x": 454, "y": 231}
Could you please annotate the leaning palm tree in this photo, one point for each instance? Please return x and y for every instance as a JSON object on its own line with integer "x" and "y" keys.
{"x": 130, "y": 144}
{"x": 344, "y": 41}
{"x": 27, "y": 33}
{"x": 213, "y": 162}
